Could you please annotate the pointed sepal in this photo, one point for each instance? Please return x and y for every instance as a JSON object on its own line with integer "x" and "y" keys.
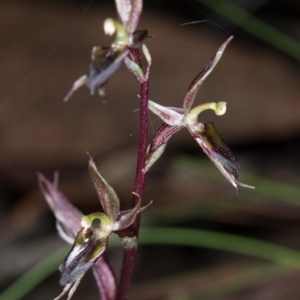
{"x": 129, "y": 12}
{"x": 124, "y": 8}
{"x": 67, "y": 215}
{"x": 107, "y": 196}
{"x": 199, "y": 79}
{"x": 76, "y": 85}
{"x": 133, "y": 63}
{"x": 135, "y": 14}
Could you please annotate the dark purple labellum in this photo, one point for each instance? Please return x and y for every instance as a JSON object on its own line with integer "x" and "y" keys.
{"x": 103, "y": 64}
{"x": 137, "y": 38}
{"x": 219, "y": 152}
{"x": 82, "y": 256}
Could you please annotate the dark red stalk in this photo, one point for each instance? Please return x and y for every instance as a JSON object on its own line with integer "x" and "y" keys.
{"x": 140, "y": 179}
{"x": 129, "y": 238}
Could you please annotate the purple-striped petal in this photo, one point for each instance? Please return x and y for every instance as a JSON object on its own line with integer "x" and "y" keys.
{"x": 170, "y": 115}
{"x": 159, "y": 143}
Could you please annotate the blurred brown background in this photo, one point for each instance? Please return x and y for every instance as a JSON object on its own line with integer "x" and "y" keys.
{"x": 45, "y": 46}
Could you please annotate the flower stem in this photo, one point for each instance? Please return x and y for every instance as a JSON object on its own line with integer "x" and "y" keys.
{"x": 130, "y": 240}
{"x": 140, "y": 178}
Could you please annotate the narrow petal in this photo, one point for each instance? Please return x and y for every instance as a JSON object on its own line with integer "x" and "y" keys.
{"x": 149, "y": 60}
{"x": 217, "y": 151}
{"x": 133, "y": 62}
{"x": 107, "y": 196}
{"x": 76, "y": 85}
{"x": 169, "y": 115}
{"x": 127, "y": 217}
{"x": 70, "y": 288}
{"x": 135, "y": 69}
{"x": 159, "y": 143}
{"x": 66, "y": 214}
{"x": 199, "y": 79}
{"x": 162, "y": 136}
{"x": 105, "y": 279}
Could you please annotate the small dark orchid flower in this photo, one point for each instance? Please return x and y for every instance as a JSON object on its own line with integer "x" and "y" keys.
{"x": 205, "y": 135}
{"x": 88, "y": 234}
{"x": 106, "y": 60}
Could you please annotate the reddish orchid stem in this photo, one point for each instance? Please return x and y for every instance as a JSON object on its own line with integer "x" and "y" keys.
{"x": 140, "y": 179}
{"x": 129, "y": 254}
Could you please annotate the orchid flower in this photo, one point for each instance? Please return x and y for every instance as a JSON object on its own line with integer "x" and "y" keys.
{"x": 88, "y": 234}
{"x": 205, "y": 135}
{"x": 106, "y": 60}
